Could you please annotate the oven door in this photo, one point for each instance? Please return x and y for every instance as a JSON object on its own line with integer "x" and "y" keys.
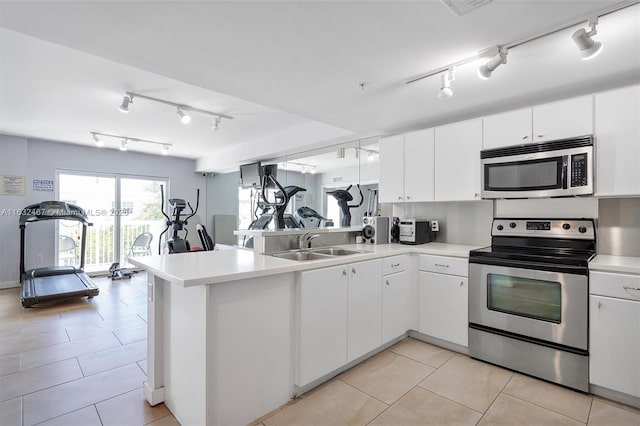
{"x": 549, "y": 306}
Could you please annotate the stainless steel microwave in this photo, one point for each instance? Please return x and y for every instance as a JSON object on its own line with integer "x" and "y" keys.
{"x": 551, "y": 169}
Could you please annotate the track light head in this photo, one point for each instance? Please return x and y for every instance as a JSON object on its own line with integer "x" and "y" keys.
{"x": 123, "y": 145}
{"x": 185, "y": 118}
{"x": 216, "y": 124}
{"x": 313, "y": 170}
{"x": 485, "y": 70}
{"x": 165, "y": 149}
{"x": 445, "y": 90}
{"x": 99, "y": 142}
{"x": 124, "y": 106}
{"x": 589, "y": 48}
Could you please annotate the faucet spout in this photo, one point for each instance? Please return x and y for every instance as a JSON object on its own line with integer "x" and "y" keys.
{"x": 304, "y": 240}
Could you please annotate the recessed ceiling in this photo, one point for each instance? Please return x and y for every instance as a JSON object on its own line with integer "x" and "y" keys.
{"x": 306, "y": 60}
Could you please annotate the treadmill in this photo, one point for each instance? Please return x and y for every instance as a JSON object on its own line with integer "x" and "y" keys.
{"x": 54, "y": 282}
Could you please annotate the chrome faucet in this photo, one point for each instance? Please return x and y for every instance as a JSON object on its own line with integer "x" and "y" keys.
{"x": 304, "y": 240}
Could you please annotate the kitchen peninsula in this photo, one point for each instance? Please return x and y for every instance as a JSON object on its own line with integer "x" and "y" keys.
{"x": 224, "y": 325}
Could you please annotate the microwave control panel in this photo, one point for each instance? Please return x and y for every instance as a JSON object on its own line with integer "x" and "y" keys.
{"x": 579, "y": 170}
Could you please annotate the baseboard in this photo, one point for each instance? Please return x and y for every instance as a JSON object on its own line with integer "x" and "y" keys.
{"x": 623, "y": 398}
{"x": 9, "y": 284}
{"x": 439, "y": 342}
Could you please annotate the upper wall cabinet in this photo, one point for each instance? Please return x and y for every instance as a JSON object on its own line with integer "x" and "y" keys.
{"x": 406, "y": 167}
{"x": 541, "y": 123}
{"x": 617, "y": 130}
{"x": 508, "y": 128}
{"x": 563, "y": 119}
{"x": 457, "y": 165}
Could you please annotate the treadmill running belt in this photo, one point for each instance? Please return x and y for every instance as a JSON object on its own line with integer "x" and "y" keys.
{"x": 57, "y": 284}
{"x": 39, "y": 289}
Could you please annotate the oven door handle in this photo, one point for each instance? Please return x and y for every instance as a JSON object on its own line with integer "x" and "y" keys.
{"x": 550, "y": 267}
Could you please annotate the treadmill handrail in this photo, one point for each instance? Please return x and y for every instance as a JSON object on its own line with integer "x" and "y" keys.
{"x": 53, "y": 210}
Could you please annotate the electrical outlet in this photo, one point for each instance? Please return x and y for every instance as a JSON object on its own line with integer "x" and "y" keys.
{"x": 39, "y": 258}
{"x": 435, "y": 226}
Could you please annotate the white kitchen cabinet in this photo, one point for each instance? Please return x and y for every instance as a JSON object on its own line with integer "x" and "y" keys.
{"x": 396, "y": 305}
{"x": 457, "y": 161}
{"x": 391, "y": 184}
{"x": 508, "y": 128}
{"x": 617, "y": 130}
{"x": 444, "y": 299}
{"x": 614, "y": 332}
{"x": 418, "y": 165}
{"x": 322, "y": 322}
{"x": 406, "y": 167}
{"x": 563, "y": 119}
{"x": 364, "y": 317}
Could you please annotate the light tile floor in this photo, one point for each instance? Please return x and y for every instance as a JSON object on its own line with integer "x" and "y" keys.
{"x": 81, "y": 362}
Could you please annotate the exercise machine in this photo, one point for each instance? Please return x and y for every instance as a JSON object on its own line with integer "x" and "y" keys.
{"x": 54, "y": 282}
{"x": 120, "y": 273}
{"x": 207, "y": 242}
{"x": 175, "y": 243}
{"x": 309, "y": 218}
{"x": 372, "y": 203}
{"x": 343, "y": 197}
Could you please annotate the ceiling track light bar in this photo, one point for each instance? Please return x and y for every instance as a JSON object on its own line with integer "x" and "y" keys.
{"x": 126, "y": 139}
{"x": 182, "y": 107}
{"x": 493, "y": 51}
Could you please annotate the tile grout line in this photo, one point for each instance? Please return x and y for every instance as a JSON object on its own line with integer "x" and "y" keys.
{"x": 423, "y": 363}
{"x": 552, "y": 410}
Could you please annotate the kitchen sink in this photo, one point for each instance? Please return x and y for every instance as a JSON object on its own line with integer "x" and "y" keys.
{"x": 335, "y": 251}
{"x": 315, "y": 254}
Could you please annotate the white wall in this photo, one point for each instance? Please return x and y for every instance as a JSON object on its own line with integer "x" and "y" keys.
{"x": 38, "y": 159}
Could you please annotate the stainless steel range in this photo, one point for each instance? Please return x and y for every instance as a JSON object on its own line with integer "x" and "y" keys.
{"x": 529, "y": 296}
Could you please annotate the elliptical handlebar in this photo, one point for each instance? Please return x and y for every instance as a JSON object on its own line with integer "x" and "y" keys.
{"x": 361, "y": 196}
{"x": 193, "y": 212}
{"x": 266, "y": 202}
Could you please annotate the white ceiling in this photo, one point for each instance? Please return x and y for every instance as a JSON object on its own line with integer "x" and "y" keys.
{"x": 289, "y": 71}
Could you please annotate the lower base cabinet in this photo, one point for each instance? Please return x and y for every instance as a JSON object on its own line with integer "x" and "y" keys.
{"x": 614, "y": 336}
{"x": 396, "y": 305}
{"x": 444, "y": 301}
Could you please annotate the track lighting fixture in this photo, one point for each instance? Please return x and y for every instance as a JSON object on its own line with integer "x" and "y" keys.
{"x": 181, "y": 108}
{"x": 99, "y": 142}
{"x": 216, "y": 124}
{"x": 445, "y": 90}
{"x": 185, "y": 118}
{"x": 313, "y": 170}
{"x": 589, "y": 48}
{"x": 485, "y": 70}
{"x": 124, "y": 106}
{"x": 304, "y": 169}
{"x": 124, "y": 141}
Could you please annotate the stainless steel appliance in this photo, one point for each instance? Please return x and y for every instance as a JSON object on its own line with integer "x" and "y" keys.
{"x": 551, "y": 169}
{"x": 375, "y": 230}
{"x": 415, "y": 231}
{"x": 529, "y": 298}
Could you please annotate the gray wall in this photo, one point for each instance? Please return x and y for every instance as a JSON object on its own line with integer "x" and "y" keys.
{"x": 38, "y": 159}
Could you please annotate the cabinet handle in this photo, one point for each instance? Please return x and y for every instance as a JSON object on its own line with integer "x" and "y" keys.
{"x": 408, "y": 197}
{"x": 395, "y": 265}
{"x": 399, "y": 197}
{"x": 525, "y": 137}
{"x": 441, "y": 266}
{"x": 353, "y": 271}
{"x": 476, "y": 195}
{"x": 626, "y": 287}
{"x": 461, "y": 283}
{"x": 344, "y": 272}
{"x": 599, "y": 305}
{"x": 387, "y": 282}
{"x": 540, "y": 136}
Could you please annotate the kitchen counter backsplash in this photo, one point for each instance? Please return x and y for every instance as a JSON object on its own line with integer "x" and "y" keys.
{"x": 619, "y": 227}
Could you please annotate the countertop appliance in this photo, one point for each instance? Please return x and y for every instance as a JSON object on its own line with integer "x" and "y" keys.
{"x": 375, "y": 229}
{"x": 415, "y": 231}
{"x": 551, "y": 169}
{"x": 529, "y": 298}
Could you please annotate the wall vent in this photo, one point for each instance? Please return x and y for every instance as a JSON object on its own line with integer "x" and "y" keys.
{"x": 462, "y": 7}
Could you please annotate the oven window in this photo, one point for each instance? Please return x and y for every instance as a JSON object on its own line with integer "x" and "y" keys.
{"x": 525, "y": 297}
{"x": 524, "y": 175}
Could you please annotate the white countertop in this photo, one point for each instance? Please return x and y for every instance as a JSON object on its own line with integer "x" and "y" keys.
{"x": 608, "y": 263}
{"x": 229, "y": 263}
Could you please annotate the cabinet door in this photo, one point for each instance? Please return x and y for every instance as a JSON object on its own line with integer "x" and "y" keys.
{"x": 563, "y": 119}
{"x": 614, "y": 344}
{"x": 457, "y": 161}
{"x": 418, "y": 165}
{"x": 396, "y": 305}
{"x": 364, "y": 308}
{"x": 443, "y": 307}
{"x": 323, "y": 322}
{"x": 618, "y": 142}
{"x": 506, "y": 129}
{"x": 391, "y": 183}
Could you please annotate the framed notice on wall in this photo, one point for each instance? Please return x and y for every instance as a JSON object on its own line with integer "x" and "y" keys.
{"x": 43, "y": 185}
{"x": 12, "y": 185}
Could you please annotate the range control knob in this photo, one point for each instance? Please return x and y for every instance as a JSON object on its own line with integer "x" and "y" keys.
{"x": 512, "y": 225}
{"x": 500, "y": 227}
{"x": 566, "y": 226}
{"x": 582, "y": 229}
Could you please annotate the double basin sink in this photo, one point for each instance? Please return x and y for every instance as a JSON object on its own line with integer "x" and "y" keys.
{"x": 315, "y": 254}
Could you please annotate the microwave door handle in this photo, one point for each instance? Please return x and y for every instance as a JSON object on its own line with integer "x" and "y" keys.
{"x": 565, "y": 165}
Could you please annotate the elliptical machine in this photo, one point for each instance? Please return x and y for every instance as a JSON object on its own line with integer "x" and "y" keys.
{"x": 343, "y": 197}
{"x": 177, "y": 244}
